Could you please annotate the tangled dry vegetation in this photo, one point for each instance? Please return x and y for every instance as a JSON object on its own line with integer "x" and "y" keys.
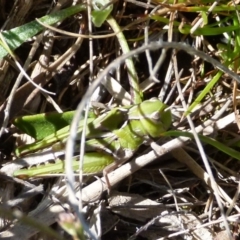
{"x": 190, "y": 190}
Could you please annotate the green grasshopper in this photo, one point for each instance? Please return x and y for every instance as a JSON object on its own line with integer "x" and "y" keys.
{"x": 116, "y": 134}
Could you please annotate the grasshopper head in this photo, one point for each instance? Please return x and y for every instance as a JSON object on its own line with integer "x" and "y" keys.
{"x": 155, "y": 119}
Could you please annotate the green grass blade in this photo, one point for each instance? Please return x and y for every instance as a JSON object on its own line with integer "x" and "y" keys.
{"x": 207, "y": 30}
{"x": 220, "y": 146}
{"x": 204, "y": 92}
{"x": 17, "y": 36}
{"x": 230, "y": 58}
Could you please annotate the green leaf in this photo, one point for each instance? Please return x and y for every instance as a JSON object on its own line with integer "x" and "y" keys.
{"x": 204, "y": 17}
{"x": 100, "y": 14}
{"x": 17, "y": 36}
